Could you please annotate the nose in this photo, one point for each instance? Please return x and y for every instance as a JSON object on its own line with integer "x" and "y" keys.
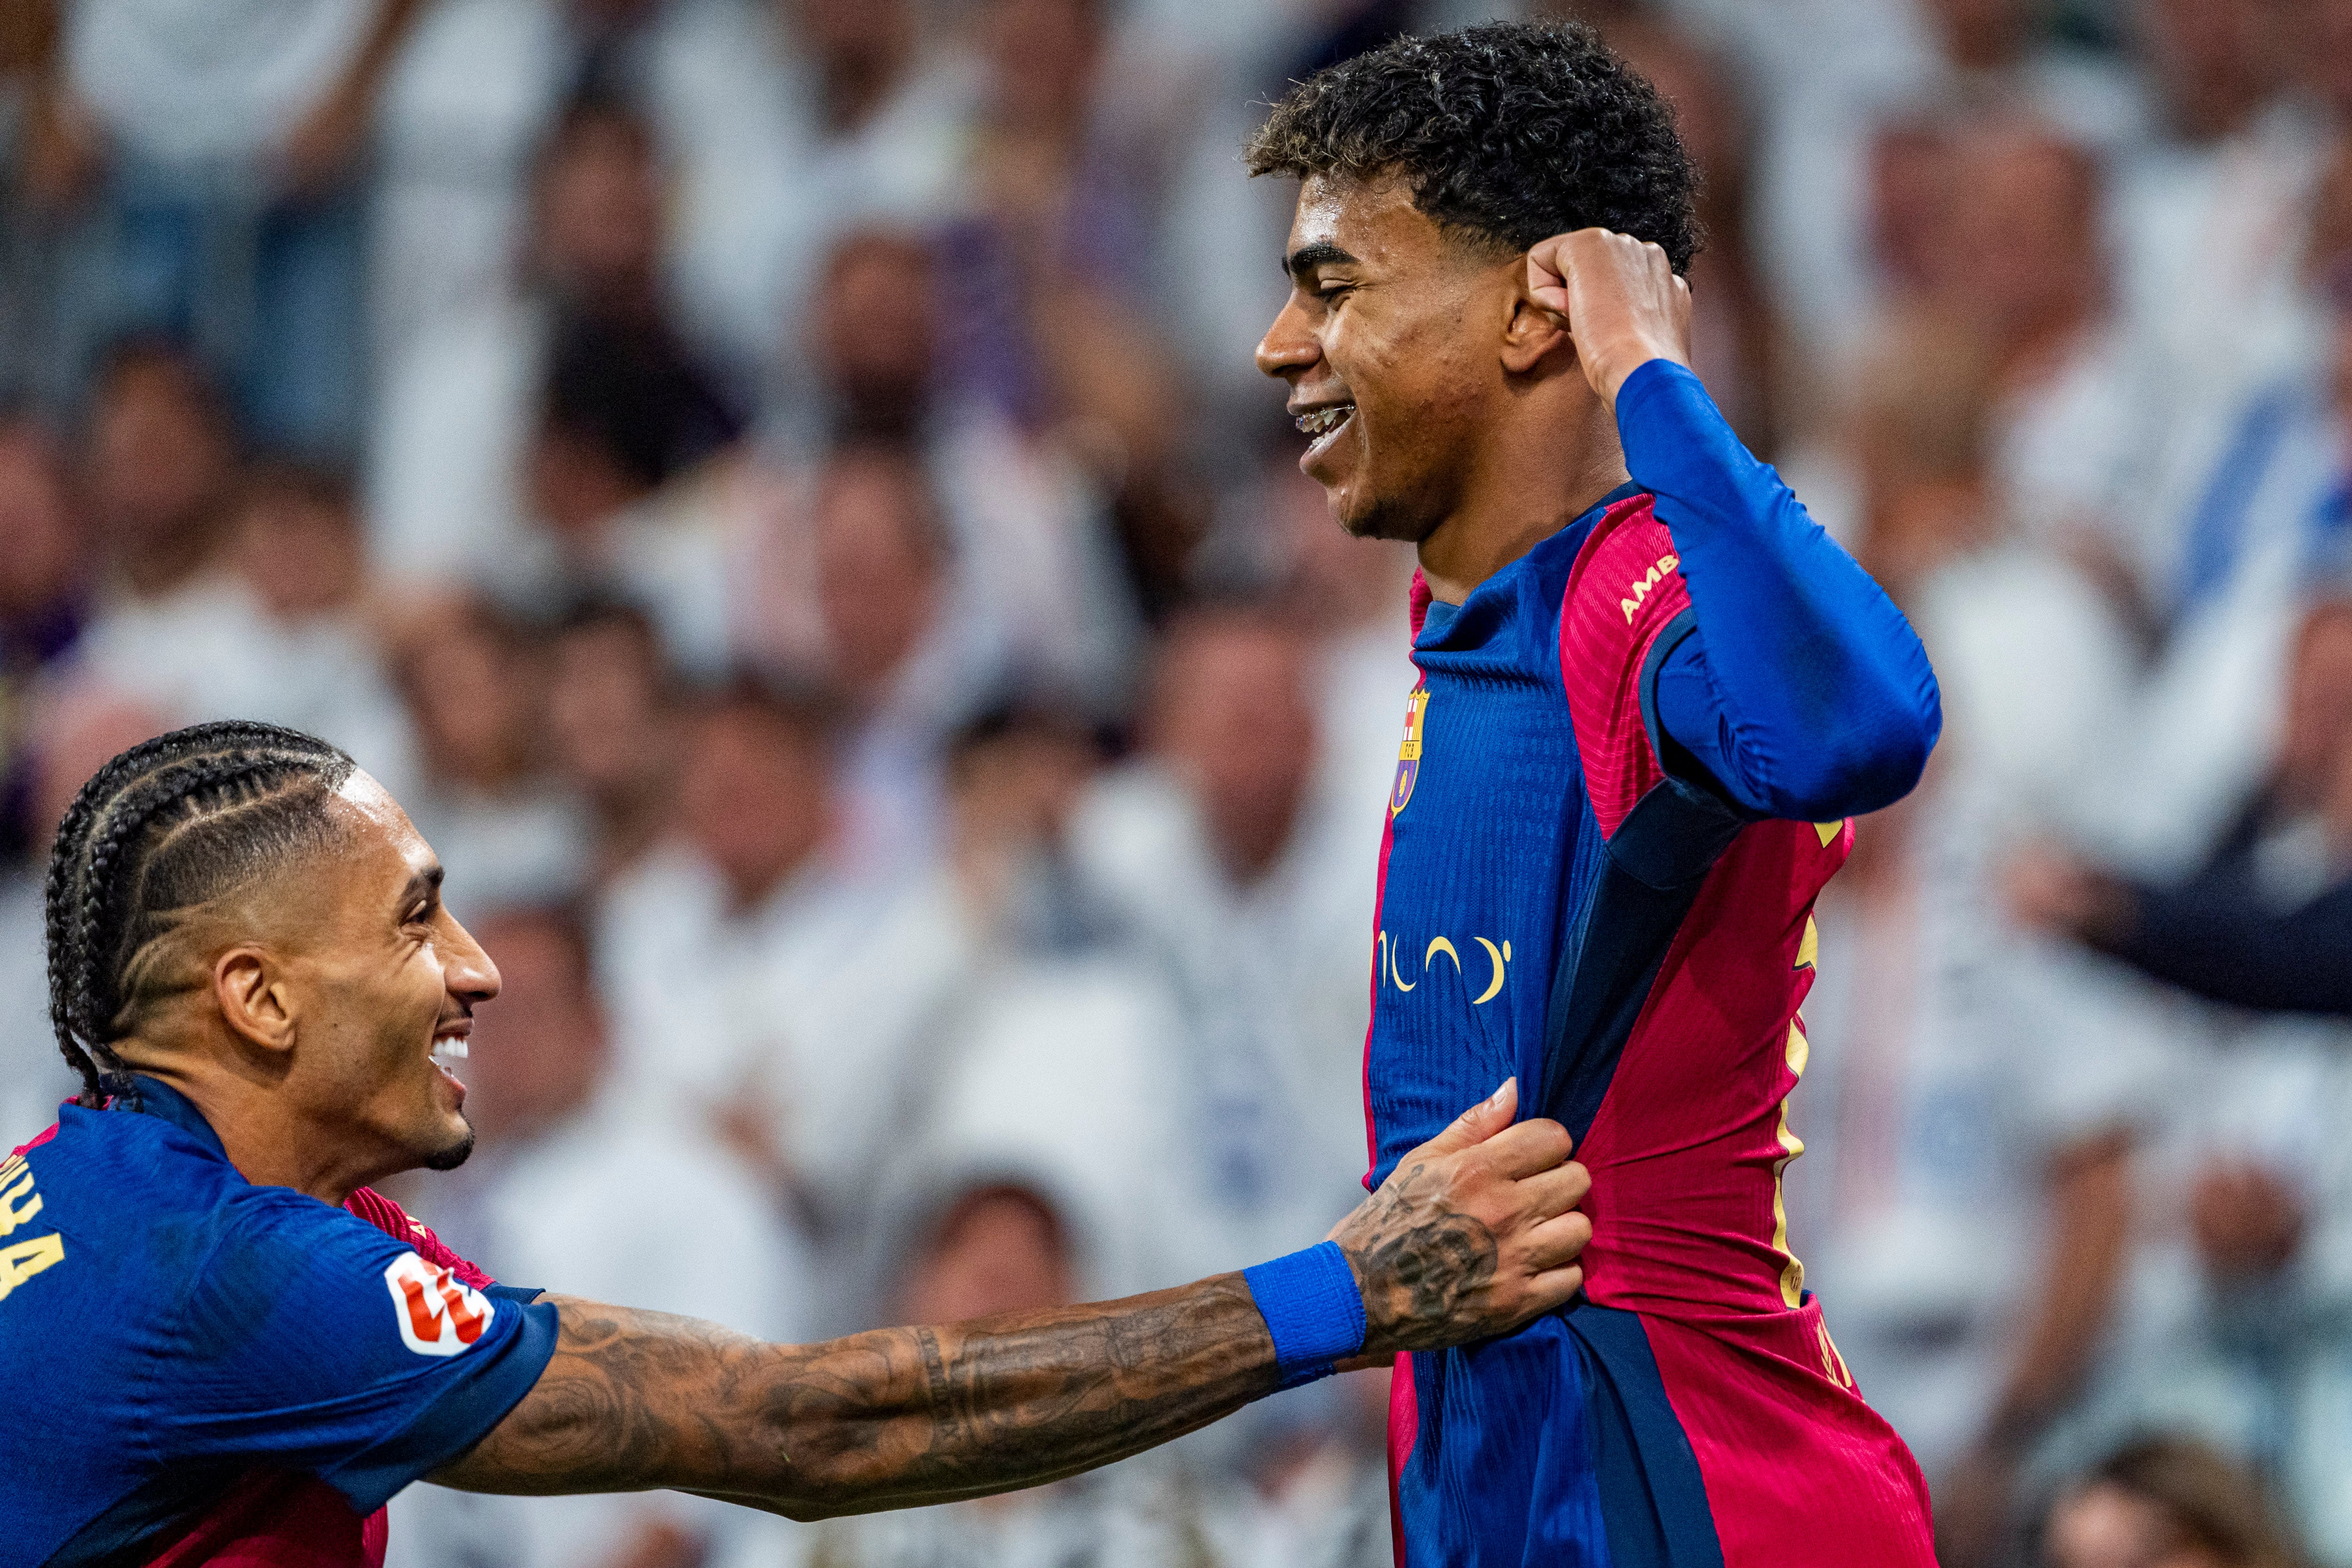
{"x": 1288, "y": 348}
{"x": 466, "y": 968}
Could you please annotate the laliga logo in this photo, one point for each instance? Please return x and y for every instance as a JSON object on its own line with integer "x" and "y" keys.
{"x": 438, "y": 1313}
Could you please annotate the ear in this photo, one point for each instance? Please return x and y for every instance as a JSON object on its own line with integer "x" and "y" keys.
{"x": 255, "y": 998}
{"x": 1531, "y": 331}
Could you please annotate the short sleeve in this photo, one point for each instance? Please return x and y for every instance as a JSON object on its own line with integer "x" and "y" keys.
{"x": 314, "y": 1341}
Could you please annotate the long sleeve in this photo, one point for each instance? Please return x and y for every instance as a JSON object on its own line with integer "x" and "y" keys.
{"x": 2211, "y": 936}
{"x": 1802, "y": 692}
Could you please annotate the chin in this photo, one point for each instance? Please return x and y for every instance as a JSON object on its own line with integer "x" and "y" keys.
{"x": 454, "y": 1151}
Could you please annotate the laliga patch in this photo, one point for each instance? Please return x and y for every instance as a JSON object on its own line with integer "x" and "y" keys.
{"x": 438, "y": 1313}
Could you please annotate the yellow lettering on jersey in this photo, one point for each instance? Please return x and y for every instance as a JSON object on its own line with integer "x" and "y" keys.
{"x": 16, "y": 1185}
{"x": 1829, "y": 831}
{"x": 27, "y": 1258}
{"x": 1809, "y": 946}
{"x": 1639, "y": 589}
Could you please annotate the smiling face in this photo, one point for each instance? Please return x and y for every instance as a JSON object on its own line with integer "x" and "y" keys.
{"x": 1389, "y": 345}
{"x": 375, "y": 979}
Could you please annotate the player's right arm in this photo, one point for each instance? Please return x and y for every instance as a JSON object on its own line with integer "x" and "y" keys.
{"x": 1474, "y": 1235}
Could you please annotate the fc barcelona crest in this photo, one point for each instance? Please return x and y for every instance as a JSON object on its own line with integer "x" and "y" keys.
{"x": 1408, "y": 754}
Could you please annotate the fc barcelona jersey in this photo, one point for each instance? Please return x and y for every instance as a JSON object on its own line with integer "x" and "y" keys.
{"x": 1556, "y": 905}
{"x": 200, "y": 1370}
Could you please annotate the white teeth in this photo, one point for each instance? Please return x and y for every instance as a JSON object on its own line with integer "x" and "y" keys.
{"x": 1322, "y": 422}
{"x": 450, "y": 1045}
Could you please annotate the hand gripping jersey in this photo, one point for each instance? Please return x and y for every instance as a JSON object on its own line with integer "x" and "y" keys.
{"x": 1633, "y": 946}
{"x": 198, "y": 1370}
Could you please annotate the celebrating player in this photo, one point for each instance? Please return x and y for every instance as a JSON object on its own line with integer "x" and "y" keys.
{"x": 216, "y": 1345}
{"x": 1651, "y": 690}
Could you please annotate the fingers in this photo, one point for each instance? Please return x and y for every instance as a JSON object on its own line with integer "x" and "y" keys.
{"x": 1480, "y": 1123}
{"x": 1523, "y": 1150}
{"x": 1552, "y": 1289}
{"x": 1555, "y": 1191}
{"x": 1555, "y": 1243}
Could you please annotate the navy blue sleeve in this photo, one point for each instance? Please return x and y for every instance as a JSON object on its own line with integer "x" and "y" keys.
{"x": 1801, "y": 691}
{"x": 2212, "y": 936}
{"x": 320, "y": 1345}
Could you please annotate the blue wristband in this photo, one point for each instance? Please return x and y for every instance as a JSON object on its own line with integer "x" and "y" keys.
{"x": 1312, "y": 1308}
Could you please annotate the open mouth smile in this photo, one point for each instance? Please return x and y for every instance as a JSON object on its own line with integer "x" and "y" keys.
{"x": 1323, "y": 425}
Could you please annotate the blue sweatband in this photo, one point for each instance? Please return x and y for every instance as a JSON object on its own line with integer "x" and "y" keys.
{"x": 1312, "y": 1308}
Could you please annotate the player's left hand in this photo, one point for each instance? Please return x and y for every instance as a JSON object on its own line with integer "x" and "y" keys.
{"x": 1622, "y": 300}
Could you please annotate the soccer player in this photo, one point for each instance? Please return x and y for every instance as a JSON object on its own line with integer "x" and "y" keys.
{"x": 217, "y": 1345}
{"x": 1651, "y": 690}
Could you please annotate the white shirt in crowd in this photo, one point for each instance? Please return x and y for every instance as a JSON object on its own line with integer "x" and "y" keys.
{"x": 612, "y": 1206}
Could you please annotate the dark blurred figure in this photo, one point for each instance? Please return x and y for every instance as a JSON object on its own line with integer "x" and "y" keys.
{"x": 159, "y": 461}
{"x": 757, "y": 799}
{"x": 1015, "y": 777}
{"x": 44, "y": 562}
{"x": 2267, "y": 922}
{"x": 476, "y": 684}
{"x": 995, "y": 1249}
{"x": 873, "y": 330}
{"x": 615, "y": 726}
{"x": 2167, "y": 1502}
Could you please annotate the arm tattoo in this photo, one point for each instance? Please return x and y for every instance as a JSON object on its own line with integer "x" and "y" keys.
{"x": 1423, "y": 1264}
{"x": 890, "y": 1418}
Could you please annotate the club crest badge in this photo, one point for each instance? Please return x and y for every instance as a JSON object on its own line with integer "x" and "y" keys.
{"x": 1408, "y": 754}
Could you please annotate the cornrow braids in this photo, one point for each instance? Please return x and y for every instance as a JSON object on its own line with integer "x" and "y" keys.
{"x": 171, "y": 823}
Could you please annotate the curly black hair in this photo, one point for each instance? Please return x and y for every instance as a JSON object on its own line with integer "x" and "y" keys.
{"x": 1508, "y": 133}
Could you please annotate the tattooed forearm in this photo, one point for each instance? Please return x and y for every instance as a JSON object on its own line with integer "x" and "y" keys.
{"x": 1472, "y": 1236}
{"x": 890, "y": 1418}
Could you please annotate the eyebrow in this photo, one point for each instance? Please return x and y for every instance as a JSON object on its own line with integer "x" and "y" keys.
{"x": 429, "y": 880}
{"x": 1302, "y": 262}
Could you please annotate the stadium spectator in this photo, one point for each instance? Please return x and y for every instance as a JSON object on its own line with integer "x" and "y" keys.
{"x": 615, "y": 720}
{"x": 475, "y": 682}
{"x": 45, "y": 562}
{"x": 2162, "y": 1503}
{"x": 2267, "y": 922}
{"x": 221, "y": 147}
{"x": 1931, "y": 1013}
{"x": 169, "y": 622}
{"x": 77, "y": 731}
{"x": 1206, "y": 849}
{"x": 314, "y": 656}
{"x": 568, "y": 1187}
{"x": 817, "y": 982}
{"x": 559, "y": 403}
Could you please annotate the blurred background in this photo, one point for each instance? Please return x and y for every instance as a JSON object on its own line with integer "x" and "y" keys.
{"x": 779, "y": 490}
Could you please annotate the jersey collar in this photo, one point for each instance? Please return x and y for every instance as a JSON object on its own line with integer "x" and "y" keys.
{"x": 1438, "y": 616}
{"x": 159, "y": 1098}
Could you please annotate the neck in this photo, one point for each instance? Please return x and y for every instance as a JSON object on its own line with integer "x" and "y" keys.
{"x": 269, "y": 1141}
{"x": 1524, "y": 489}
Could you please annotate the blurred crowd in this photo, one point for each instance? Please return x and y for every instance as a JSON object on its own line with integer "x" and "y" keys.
{"x": 778, "y": 488}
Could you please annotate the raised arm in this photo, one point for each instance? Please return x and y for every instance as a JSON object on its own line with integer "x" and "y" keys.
{"x": 1799, "y": 690}
{"x": 1474, "y": 1235}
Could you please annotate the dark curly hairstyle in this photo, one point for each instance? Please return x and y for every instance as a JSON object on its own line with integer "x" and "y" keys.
{"x": 1508, "y": 133}
{"x": 171, "y": 824}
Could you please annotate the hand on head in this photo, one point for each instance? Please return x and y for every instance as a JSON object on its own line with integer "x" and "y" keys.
{"x": 1620, "y": 297}
{"x": 1474, "y": 1233}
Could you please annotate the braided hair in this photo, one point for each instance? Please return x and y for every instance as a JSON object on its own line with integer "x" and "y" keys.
{"x": 171, "y": 824}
